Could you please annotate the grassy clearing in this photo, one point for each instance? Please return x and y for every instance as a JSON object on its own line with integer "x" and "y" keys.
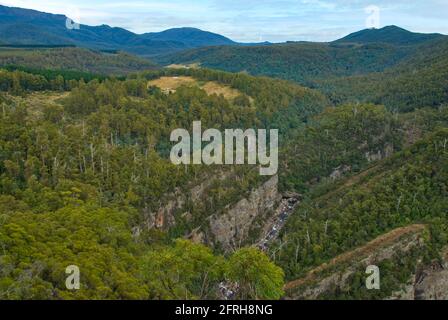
{"x": 184, "y": 66}
{"x": 170, "y": 85}
{"x": 218, "y": 89}
{"x": 37, "y": 101}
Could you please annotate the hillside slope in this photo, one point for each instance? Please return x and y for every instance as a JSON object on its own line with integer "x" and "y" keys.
{"x": 335, "y": 275}
{"x": 403, "y": 75}
{"x": 86, "y": 179}
{"x": 418, "y": 80}
{"x": 301, "y": 62}
{"x": 407, "y": 188}
{"x": 75, "y": 59}
{"x": 390, "y": 34}
{"x": 23, "y": 26}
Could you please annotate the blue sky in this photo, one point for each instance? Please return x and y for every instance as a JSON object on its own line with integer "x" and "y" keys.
{"x": 252, "y": 20}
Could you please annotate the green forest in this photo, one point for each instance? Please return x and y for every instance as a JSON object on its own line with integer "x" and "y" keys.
{"x": 78, "y": 172}
{"x": 86, "y": 179}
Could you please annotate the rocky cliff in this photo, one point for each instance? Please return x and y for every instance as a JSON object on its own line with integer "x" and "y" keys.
{"x": 231, "y": 229}
{"x": 430, "y": 282}
{"x": 336, "y": 274}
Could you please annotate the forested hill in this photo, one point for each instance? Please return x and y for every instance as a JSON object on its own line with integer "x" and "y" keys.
{"x": 23, "y": 26}
{"x": 408, "y": 188}
{"x": 74, "y": 59}
{"x": 86, "y": 179}
{"x": 84, "y": 174}
{"x": 419, "y": 80}
{"x": 401, "y": 76}
{"x": 390, "y": 34}
{"x": 301, "y": 62}
{"x": 371, "y": 50}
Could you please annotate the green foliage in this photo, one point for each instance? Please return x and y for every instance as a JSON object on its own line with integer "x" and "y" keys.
{"x": 76, "y": 60}
{"x": 38, "y": 247}
{"x": 184, "y": 271}
{"x": 336, "y": 142}
{"x": 418, "y": 81}
{"x": 408, "y": 188}
{"x": 401, "y": 76}
{"x": 301, "y": 62}
{"x": 390, "y": 34}
{"x": 257, "y": 276}
{"x": 80, "y": 175}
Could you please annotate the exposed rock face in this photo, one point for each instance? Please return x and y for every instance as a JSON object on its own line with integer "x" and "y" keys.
{"x": 383, "y": 248}
{"x": 432, "y": 283}
{"x": 340, "y": 279}
{"x": 429, "y": 283}
{"x": 231, "y": 228}
{"x": 164, "y": 217}
{"x": 339, "y": 172}
{"x": 380, "y": 154}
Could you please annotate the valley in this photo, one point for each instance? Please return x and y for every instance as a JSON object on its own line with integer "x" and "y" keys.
{"x": 86, "y": 177}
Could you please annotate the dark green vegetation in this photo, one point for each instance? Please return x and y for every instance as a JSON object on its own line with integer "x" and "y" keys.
{"x": 419, "y": 80}
{"x": 391, "y": 34}
{"x": 390, "y": 66}
{"x": 74, "y": 59}
{"x": 409, "y": 187}
{"x": 79, "y": 172}
{"x": 340, "y": 215}
{"x": 84, "y": 165}
{"x": 29, "y": 27}
{"x": 303, "y": 62}
{"x": 337, "y": 141}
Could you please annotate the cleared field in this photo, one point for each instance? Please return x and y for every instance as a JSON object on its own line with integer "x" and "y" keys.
{"x": 183, "y": 66}
{"x": 218, "y": 89}
{"x": 170, "y": 85}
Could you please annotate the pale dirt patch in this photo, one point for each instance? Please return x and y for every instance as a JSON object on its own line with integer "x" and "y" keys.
{"x": 184, "y": 66}
{"x": 218, "y": 89}
{"x": 170, "y": 85}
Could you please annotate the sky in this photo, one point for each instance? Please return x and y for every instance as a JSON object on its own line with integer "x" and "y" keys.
{"x": 253, "y": 20}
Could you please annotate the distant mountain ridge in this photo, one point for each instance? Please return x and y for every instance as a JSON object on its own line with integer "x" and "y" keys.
{"x": 363, "y": 52}
{"x": 196, "y": 37}
{"x": 390, "y": 34}
{"x": 30, "y": 27}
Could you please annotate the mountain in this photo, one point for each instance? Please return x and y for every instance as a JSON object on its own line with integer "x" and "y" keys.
{"x": 391, "y": 66}
{"x": 86, "y": 177}
{"x": 30, "y": 27}
{"x": 195, "y": 37}
{"x": 418, "y": 80}
{"x": 390, "y": 34}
